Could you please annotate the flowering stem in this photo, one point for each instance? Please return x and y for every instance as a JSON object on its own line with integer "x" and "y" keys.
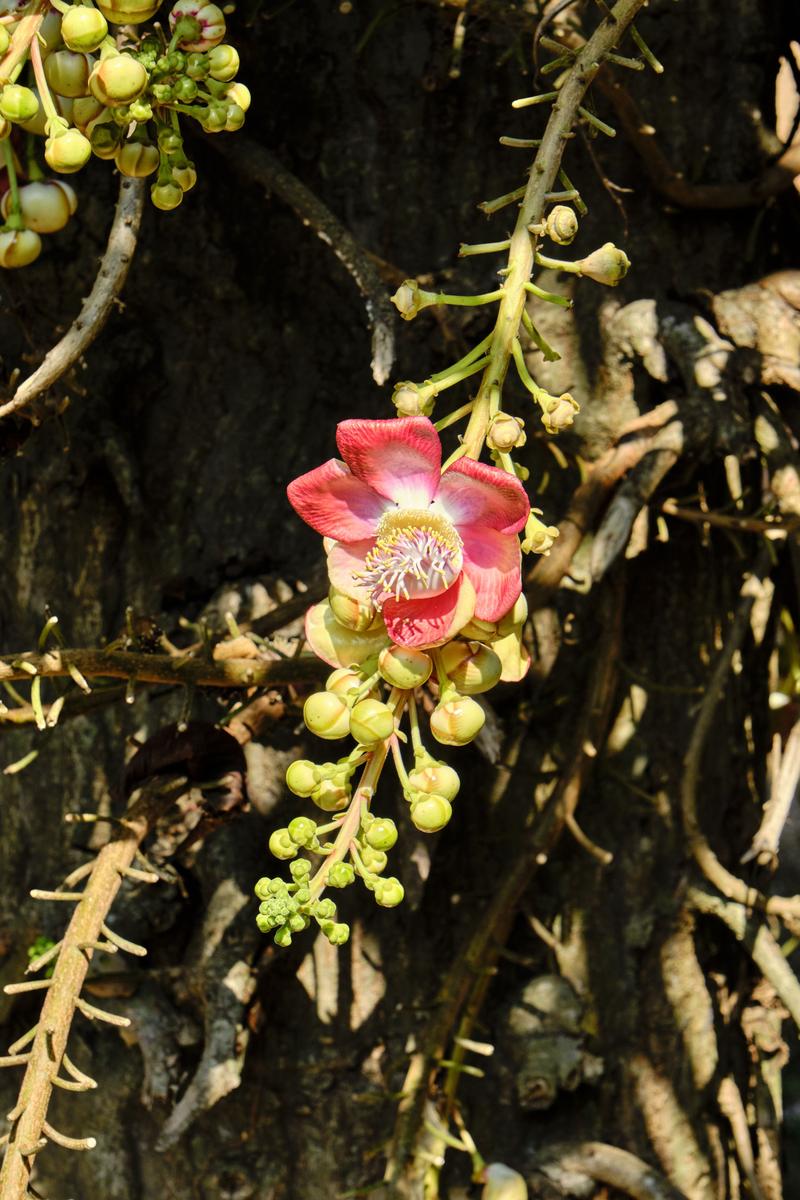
{"x": 15, "y": 219}
{"x": 476, "y": 352}
{"x": 452, "y": 417}
{"x": 466, "y": 301}
{"x": 399, "y": 765}
{"x": 22, "y": 37}
{"x": 413, "y": 721}
{"x": 557, "y": 264}
{"x": 41, "y": 82}
{"x": 542, "y": 178}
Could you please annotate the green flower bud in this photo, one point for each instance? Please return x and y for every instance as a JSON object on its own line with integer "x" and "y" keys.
{"x": 177, "y": 61}
{"x": 85, "y": 110}
{"x": 470, "y": 666}
{"x": 262, "y": 888}
{"x": 341, "y": 875}
{"x": 68, "y": 72}
{"x": 197, "y": 66}
{"x": 166, "y": 196}
{"x": 169, "y": 141}
{"x": 47, "y": 205}
{"x": 608, "y": 265}
{"x": 237, "y": 93}
{"x": 505, "y": 433}
{"x": 343, "y": 680}
{"x": 118, "y": 80}
{"x": 105, "y": 139}
{"x": 163, "y": 93}
{"x": 374, "y": 860}
{"x": 83, "y": 28}
{"x": 215, "y": 118}
{"x": 5, "y": 40}
{"x": 185, "y": 89}
{"x": 282, "y": 845}
{"x": 331, "y": 796}
{"x": 411, "y": 400}
{"x": 121, "y": 114}
{"x": 436, "y": 780}
{"x": 223, "y": 62}
{"x": 325, "y": 909}
{"x": 404, "y": 667}
{"x": 338, "y": 934}
{"x": 283, "y": 936}
{"x": 431, "y": 813}
{"x": 137, "y": 160}
{"x": 389, "y": 892}
{"x": 561, "y": 225}
{"x": 302, "y": 830}
{"x": 371, "y": 722}
{"x": 353, "y": 614}
{"x": 264, "y": 924}
{"x": 302, "y": 777}
{"x": 327, "y": 715}
{"x": 19, "y": 248}
{"x": 300, "y": 870}
{"x": 128, "y": 12}
{"x": 234, "y": 119}
{"x": 68, "y": 152}
{"x": 457, "y": 722}
{"x": 49, "y": 33}
{"x": 382, "y": 834}
{"x": 141, "y": 111}
{"x": 298, "y": 922}
{"x": 18, "y": 103}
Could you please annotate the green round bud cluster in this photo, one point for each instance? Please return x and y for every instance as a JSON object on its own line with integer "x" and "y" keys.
{"x": 341, "y": 875}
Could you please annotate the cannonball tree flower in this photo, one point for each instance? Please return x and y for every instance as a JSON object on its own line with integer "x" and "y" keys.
{"x": 431, "y": 550}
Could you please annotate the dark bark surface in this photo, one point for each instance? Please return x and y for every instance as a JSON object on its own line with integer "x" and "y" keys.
{"x": 241, "y": 342}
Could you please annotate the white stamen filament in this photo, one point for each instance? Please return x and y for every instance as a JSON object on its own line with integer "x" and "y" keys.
{"x": 416, "y": 552}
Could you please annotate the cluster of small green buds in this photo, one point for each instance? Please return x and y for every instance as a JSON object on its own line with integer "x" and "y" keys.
{"x": 432, "y": 786}
{"x": 287, "y": 908}
{"x": 326, "y": 784}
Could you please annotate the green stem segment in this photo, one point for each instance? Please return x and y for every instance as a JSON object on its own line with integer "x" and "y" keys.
{"x": 15, "y": 220}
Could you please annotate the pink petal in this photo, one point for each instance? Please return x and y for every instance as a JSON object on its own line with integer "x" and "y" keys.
{"x": 473, "y": 492}
{"x": 492, "y": 564}
{"x": 431, "y": 621}
{"x": 335, "y": 503}
{"x": 401, "y": 457}
{"x": 345, "y": 559}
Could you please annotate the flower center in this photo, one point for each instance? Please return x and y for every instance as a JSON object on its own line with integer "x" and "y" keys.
{"x": 417, "y": 553}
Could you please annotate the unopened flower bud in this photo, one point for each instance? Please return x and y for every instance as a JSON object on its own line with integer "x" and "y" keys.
{"x": 283, "y": 936}
{"x": 331, "y": 796}
{"x": 559, "y": 412}
{"x": 341, "y": 875}
{"x": 608, "y": 265}
{"x": 404, "y": 666}
{"x": 479, "y": 631}
{"x": 505, "y": 432}
{"x": 166, "y": 196}
{"x": 561, "y": 225}
{"x": 49, "y": 33}
{"x": 352, "y": 613}
{"x": 302, "y": 777}
{"x": 281, "y": 845}
{"x": 503, "y": 1184}
{"x": 439, "y": 779}
{"x": 431, "y": 813}
{"x": 237, "y": 93}
{"x": 338, "y": 933}
{"x": 118, "y": 80}
{"x": 538, "y": 536}
{"x": 185, "y": 176}
{"x": 68, "y": 152}
{"x": 389, "y": 892}
{"x": 105, "y": 139}
{"x": 19, "y": 248}
{"x": 85, "y": 110}
{"x": 47, "y": 205}
{"x": 325, "y": 909}
{"x": 223, "y": 62}
{"x": 18, "y": 103}
{"x": 382, "y": 834}
{"x": 457, "y": 722}
{"x": 371, "y": 722}
{"x": 128, "y": 12}
{"x": 204, "y": 24}
{"x": 67, "y": 72}
{"x": 141, "y": 111}
{"x": 197, "y": 65}
{"x": 83, "y": 28}
{"x": 343, "y": 680}
{"x": 327, "y": 715}
{"x": 409, "y": 299}
{"x": 137, "y": 159}
{"x": 374, "y": 860}
{"x": 471, "y": 666}
{"x": 302, "y": 830}
{"x": 410, "y": 399}
{"x": 234, "y": 119}
{"x": 215, "y": 118}
{"x": 185, "y": 89}
{"x": 300, "y": 870}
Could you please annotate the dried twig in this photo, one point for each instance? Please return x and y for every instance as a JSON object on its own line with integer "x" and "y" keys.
{"x": 618, "y": 1169}
{"x": 784, "y": 781}
{"x": 108, "y": 283}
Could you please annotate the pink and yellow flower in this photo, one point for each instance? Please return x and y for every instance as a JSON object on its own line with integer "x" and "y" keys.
{"x": 429, "y": 549}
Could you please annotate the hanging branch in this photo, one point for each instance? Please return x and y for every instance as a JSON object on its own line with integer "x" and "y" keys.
{"x": 42, "y": 1051}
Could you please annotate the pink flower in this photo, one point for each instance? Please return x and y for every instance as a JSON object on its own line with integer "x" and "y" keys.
{"x": 429, "y": 550}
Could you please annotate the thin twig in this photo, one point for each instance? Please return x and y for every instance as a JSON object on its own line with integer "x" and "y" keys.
{"x": 108, "y": 283}
{"x": 618, "y": 1169}
{"x": 784, "y": 781}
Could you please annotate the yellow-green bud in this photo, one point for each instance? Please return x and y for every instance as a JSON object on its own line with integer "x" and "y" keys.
{"x": 411, "y": 400}
{"x": 223, "y": 63}
{"x": 457, "y": 722}
{"x": 83, "y": 28}
{"x": 185, "y": 176}
{"x": 352, "y": 613}
{"x": 331, "y": 796}
{"x": 439, "y": 780}
{"x": 85, "y": 110}
{"x": 374, "y": 860}
{"x": 302, "y": 830}
{"x": 68, "y": 152}
{"x": 118, "y": 80}
{"x": 343, "y": 680}
{"x": 431, "y": 813}
{"x": 281, "y": 845}
{"x": 389, "y": 892}
{"x": 49, "y": 33}
{"x": 137, "y": 160}
{"x": 166, "y": 196}
{"x": 408, "y": 299}
{"x": 18, "y": 103}
{"x": 559, "y": 412}
{"x": 505, "y": 432}
{"x": 327, "y": 715}
{"x": 301, "y": 777}
{"x": 341, "y": 875}
{"x": 47, "y": 205}
{"x": 608, "y": 265}
{"x": 128, "y": 12}
{"x": 404, "y": 667}
{"x": 283, "y": 936}
{"x": 382, "y": 834}
{"x": 561, "y": 225}
{"x": 325, "y": 909}
{"x": 371, "y": 722}
{"x": 19, "y": 248}
{"x": 105, "y": 139}
{"x": 503, "y": 1184}
{"x": 237, "y": 93}
{"x": 234, "y": 119}
{"x": 470, "y": 666}
{"x": 68, "y": 72}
